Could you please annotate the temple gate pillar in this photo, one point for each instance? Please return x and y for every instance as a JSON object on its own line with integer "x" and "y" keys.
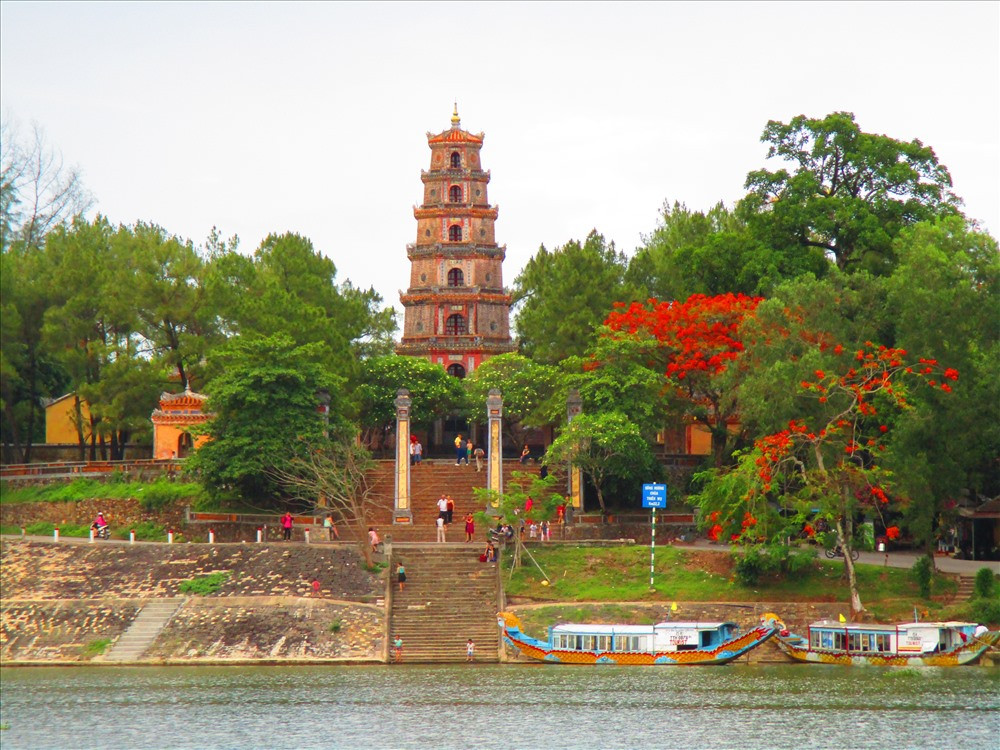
{"x": 402, "y": 512}
{"x": 574, "y": 478}
{"x": 494, "y": 453}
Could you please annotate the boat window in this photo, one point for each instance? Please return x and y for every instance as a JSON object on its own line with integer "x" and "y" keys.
{"x": 589, "y": 642}
{"x": 882, "y": 642}
{"x": 604, "y": 643}
{"x": 706, "y": 638}
{"x": 814, "y": 640}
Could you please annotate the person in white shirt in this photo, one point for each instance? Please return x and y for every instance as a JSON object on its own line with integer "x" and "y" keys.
{"x": 440, "y": 530}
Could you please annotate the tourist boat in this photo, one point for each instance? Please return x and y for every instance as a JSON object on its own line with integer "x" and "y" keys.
{"x": 927, "y": 644}
{"x": 668, "y": 643}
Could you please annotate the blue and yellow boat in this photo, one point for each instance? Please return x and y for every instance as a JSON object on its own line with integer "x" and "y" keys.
{"x": 670, "y": 643}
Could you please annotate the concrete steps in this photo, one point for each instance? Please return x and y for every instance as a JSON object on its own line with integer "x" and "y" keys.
{"x": 427, "y": 482}
{"x": 449, "y": 597}
{"x": 144, "y": 628}
{"x": 966, "y": 587}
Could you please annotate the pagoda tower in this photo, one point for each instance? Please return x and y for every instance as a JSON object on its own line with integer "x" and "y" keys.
{"x": 456, "y": 312}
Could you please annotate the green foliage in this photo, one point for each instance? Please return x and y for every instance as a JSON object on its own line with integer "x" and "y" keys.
{"x": 563, "y": 296}
{"x": 985, "y": 611}
{"x": 985, "y": 584}
{"x": 604, "y": 446}
{"x": 524, "y": 384}
{"x": 691, "y": 252}
{"x": 145, "y": 531}
{"x": 754, "y": 562}
{"x": 849, "y": 194}
{"x": 922, "y": 571}
{"x": 204, "y": 585}
{"x": 433, "y": 392}
{"x": 335, "y": 626}
{"x": 95, "y": 648}
{"x": 45, "y": 528}
{"x": 265, "y": 402}
{"x": 152, "y": 495}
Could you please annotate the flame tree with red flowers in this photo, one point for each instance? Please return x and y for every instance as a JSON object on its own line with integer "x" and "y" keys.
{"x": 699, "y": 342}
{"x": 822, "y": 470}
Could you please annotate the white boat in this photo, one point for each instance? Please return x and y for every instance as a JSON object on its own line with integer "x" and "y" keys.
{"x": 929, "y": 644}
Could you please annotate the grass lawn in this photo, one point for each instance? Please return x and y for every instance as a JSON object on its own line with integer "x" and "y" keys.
{"x": 151, "y": 494}
{"x": 621, "y": 574}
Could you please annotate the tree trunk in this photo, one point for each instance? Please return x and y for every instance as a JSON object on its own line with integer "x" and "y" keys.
{"x": 81, "y": 442}
{"x": 845, "y": 540}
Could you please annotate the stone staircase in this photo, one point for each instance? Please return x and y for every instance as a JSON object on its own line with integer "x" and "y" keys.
{"x": 966, "y": 587}
{"x": 144, "y": 629}
{"x": 427, "y": 481}
{"x": 449, "y": 597}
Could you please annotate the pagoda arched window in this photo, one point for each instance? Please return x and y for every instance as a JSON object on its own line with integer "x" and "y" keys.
{"x": 455, "y": 193}
{"x": 456, "y": 277}
{"x": 454, "y": 326}
{"x": 456, "y": 371}
{"x": 456, "y": 160}
{"x": 455, "y": 233}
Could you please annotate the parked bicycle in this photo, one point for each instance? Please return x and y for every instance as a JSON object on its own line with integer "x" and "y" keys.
{"x": 838, "y": 551}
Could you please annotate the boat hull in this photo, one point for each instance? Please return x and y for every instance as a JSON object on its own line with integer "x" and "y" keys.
{"x": 965, "y": 654}
{"x": 541, "y": 651}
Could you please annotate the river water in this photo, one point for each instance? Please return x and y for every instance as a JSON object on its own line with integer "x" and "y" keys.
{"x": 500, "y": 706}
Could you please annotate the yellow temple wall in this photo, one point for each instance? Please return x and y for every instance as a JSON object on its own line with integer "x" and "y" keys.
{"x": 60, "y": 424}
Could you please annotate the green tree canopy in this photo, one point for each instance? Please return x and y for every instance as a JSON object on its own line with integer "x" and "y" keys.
{"x": 525, "y": 386}
{"x": 847, "y": 193}
{"x": 265, "y": 402}
{"x": 713, "y": 252}
{"x": 433, "y": 393}
{"x": 605, "y": 447}
{"x": 562, "y": 297}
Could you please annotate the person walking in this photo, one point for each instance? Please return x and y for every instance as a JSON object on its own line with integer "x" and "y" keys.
{"x": 479, "y": 453}
{"x": 286, "y": 525}
{"x": 397, "y": 649}
{"x": 413, "y": 450}
{"x": 470, "y": 527}
{"x": 460, "y": 450}
{"x": 468, "y": 452}
{"x": 442, "y": 504}
{"x": 450, "y": 506}
{"x": 418, "y": 452}
{"x": 470, "y": 650}
{"x": 401, "y": 575}
{"x": 373, "y": 539}
{"x": 440, "y": 530}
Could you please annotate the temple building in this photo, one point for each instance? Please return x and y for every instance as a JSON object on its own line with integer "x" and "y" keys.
{"x": 177, "y": 413}
{"x": 456, "y": 311}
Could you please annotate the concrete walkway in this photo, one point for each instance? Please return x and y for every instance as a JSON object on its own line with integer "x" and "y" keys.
{"x": 897, "y": 559}
{"x": 900, "y": 559}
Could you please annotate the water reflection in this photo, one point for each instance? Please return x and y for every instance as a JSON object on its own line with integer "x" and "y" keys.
{"x": 537, "y": 706}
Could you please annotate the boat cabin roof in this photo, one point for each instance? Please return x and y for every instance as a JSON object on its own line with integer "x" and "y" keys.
{"x": 871, "y": 627}
{"x": 596, "y": 629}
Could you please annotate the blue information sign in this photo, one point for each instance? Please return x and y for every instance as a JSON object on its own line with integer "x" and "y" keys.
{"x": 654, "y": 496}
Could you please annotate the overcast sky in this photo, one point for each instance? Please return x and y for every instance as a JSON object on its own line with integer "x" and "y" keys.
{"x": 259, "y": 117}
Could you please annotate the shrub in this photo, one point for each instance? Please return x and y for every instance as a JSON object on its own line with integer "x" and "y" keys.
{"x": 985, "y": 583}
{"x": 923, "y": 570}
{"x": 95, "y": 648}
{"x": 986, "y": 611}
{"x": 204, "y": 585}
{"x": 335, "y": 626}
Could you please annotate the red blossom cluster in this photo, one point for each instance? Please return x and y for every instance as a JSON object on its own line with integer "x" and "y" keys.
{"x": 876, "y": 371}
{"x": 892, "y": 532}
{"x": 702, "y": 333}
